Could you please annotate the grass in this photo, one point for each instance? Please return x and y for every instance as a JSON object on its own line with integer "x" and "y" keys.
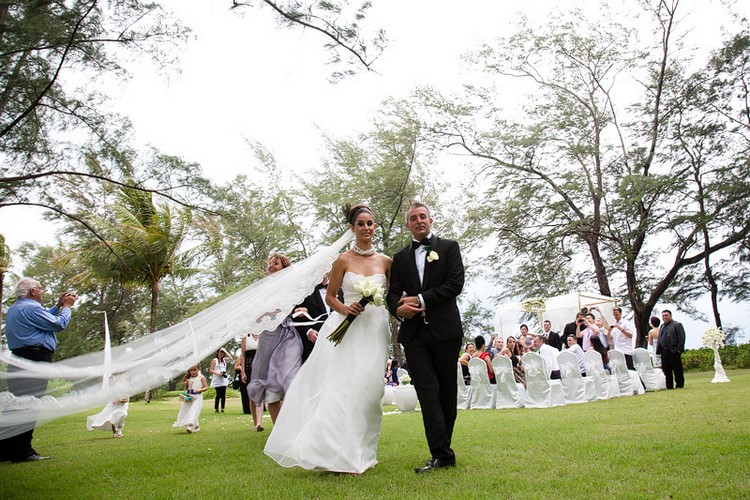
{"x": 691, "y": 443}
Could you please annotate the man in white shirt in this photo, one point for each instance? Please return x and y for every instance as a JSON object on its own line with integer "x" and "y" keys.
{"x": 549, "y": 354}
{"x": 576, "y": 349}
{"x": 623, "y": 336}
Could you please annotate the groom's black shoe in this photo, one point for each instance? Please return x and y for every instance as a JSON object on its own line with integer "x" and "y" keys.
{"x": 435, "y": 463}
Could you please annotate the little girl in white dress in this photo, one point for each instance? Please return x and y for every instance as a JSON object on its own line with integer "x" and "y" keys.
{"x": 195, "y": 385}
{"x": 111, "y": 418}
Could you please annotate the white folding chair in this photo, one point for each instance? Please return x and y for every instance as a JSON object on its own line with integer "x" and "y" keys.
{"x": 464, "y": 391}
{"x": 628, "y": 380}
{"x": 596, "y": 373}
{"x": 541, "y": 392}
{"x": 482, "y": 392}
{"x": 510, "y": 394}
{"x": 576, "y": 389}
{"x": 654, "y": 380}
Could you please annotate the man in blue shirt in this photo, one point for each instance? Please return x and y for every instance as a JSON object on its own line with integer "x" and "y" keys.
{"x": 30, "y": 331}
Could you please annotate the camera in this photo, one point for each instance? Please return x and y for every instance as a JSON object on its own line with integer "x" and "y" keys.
{"x": 223, "y": 374}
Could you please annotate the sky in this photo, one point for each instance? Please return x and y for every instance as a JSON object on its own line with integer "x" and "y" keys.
{"x": 243, "y": 79}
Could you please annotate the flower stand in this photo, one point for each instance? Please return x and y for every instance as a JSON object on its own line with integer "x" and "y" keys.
{"x": 406, "y": 397}
{"x": 720, "y": 375}
{"x": 388, "y": 395}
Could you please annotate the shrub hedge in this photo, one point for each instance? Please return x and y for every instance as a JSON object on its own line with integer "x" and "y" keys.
{"x": 732, "y": 356}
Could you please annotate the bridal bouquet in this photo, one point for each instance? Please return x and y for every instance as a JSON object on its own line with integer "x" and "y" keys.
{"x": 371, "y": 291}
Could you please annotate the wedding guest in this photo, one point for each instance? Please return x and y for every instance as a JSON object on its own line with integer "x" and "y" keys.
{"x": 30, "y": 332}
{"x": 480, "y": 353}
{"x": 588, "y": 331}
{"x": 516, "y": 351}
{"x": 111, "y": 418}
{"x": 550, "y": 337}
{"x": 523, "y": 337}
{"x": 279, "y": 356}
{"x": 219, "y": 380}
{"x": 549, "y": 354}
{"x": 670, "y": 347}
{"x": 498, "y": 346}
{"x": 249, "y": 348}
{"x": 312, "y": 310}
{"x": 392, "y": 372}
{"x": 195, "y": 385}
{"x": 653, "y": 341}
{"x": 623, "y": 336}
{"x": 576, "y": 349}
{"x": 574, "y": 328}
{"x": 596, "y": 344}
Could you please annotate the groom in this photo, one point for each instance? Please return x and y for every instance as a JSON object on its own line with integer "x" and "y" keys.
{"x": 426, "y": 278}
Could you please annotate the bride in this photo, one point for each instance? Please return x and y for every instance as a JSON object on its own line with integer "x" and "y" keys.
{"x": 332, "y": 412}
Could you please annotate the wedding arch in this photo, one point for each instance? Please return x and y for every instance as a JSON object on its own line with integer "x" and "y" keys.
{"x": 559, "y": 310}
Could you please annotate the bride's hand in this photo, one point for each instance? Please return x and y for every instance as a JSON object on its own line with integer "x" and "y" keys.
{"x": 354, "y": 308}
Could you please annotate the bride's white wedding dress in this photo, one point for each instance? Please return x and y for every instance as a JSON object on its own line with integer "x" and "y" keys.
{"x": 331, "y": 415}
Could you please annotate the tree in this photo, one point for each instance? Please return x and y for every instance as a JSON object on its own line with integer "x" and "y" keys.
{"x": 46, "y": 119}
{"x": 42, "y": 42}
{"x": 142, "y": 246}
{"x": 338, "y": 24}
{"x": 587, "y": 170}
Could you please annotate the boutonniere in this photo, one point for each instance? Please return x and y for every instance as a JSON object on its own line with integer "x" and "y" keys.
{"x": 433, "y": 255}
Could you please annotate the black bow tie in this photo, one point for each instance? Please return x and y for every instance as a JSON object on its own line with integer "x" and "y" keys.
{"x": 417, "y": 244}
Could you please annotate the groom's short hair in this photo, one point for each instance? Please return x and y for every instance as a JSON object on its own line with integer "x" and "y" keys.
{"x": 414, "y": 205}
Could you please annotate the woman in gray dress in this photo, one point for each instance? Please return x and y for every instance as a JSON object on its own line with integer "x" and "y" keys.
{"x": 278, "y": 357}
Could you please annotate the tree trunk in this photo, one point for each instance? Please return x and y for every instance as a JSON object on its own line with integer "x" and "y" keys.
{"x": 152, "y": 326}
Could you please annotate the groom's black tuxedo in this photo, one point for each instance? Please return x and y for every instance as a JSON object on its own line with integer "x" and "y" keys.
{"x": 432, "y": 341}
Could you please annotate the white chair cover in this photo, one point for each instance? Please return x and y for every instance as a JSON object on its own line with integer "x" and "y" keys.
{"x": 628, "y": 380}
{"x": 482, "y": 392}
{"x": 400, "y": 372}
{"x": 541, "y": 392}
{"x": 464, "y": 391}
{"x": 654, "y": 380}
{"x": 595, "y": 371}
{"x": 510, "y": 394}
{"x": 576, "y": 389}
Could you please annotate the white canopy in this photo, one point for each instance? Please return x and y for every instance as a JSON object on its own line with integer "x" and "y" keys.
{"x": 559, "y": 310}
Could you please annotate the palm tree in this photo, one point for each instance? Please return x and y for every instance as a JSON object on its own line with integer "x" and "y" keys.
{"x": 141, "y": 246}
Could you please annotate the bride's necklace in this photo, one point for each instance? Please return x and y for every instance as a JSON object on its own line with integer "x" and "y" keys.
{"x": 363, "y": 253}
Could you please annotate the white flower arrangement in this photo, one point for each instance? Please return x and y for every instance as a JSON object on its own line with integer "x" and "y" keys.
{"x": 432, "y": 256}
{"x": 713, "y": 337}
{"x": 404, "y": 380}
{"x": 534, "y": 305}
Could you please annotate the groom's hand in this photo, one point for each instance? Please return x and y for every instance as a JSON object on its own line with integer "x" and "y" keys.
{"x": 408, "y": 307}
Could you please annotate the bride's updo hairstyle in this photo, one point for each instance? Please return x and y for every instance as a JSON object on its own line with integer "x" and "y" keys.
{"x": 356, "y": 210}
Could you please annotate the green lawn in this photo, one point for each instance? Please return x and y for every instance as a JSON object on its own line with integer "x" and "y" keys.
{"x": 690, "y": 443}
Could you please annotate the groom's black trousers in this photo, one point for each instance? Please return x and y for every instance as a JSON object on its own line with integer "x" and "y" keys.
{"x": 432, "y": 366}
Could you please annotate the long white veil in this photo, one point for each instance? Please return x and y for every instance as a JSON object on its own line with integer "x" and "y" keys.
{"x": 155, "y": 359}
